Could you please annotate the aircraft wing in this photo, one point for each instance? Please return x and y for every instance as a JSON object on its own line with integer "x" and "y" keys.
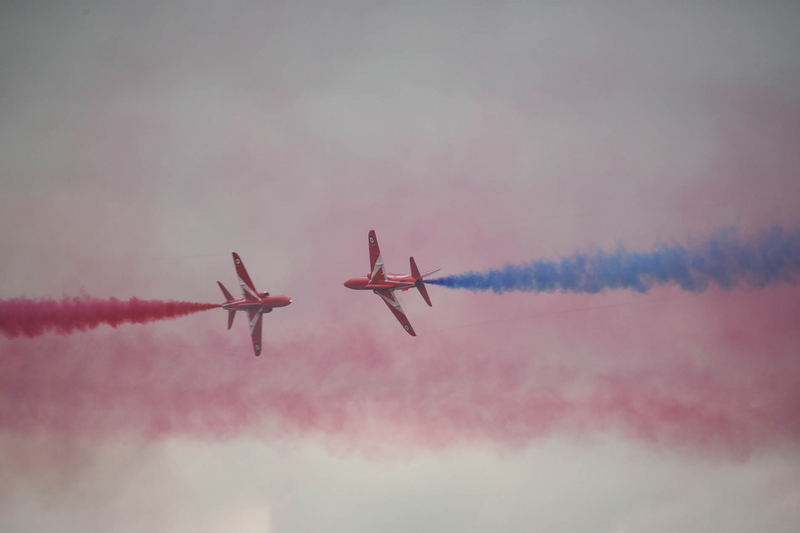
{"x": 255, "y": 328}
{"x": 375, "y": 259}
{"x": 248, "y": 289}
{"x": 394, "y": 306}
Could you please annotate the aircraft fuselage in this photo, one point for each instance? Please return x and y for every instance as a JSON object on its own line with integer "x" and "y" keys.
{"x": 390, "y": 282}
{"x": 267, "y": 302}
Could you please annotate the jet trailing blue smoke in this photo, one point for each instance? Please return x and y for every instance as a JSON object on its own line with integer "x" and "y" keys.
{"x": 728, "y": 261}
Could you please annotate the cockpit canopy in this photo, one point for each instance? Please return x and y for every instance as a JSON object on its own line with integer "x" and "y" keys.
{"x": 263, "y": 294}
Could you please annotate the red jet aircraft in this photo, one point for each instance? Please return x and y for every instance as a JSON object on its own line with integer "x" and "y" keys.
{"x": 255, "y": 303}
{"x": 384, "y": 284}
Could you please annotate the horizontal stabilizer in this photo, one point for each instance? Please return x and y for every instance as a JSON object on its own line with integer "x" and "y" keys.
{"x": 231, "y": 316}
{"x": 418, "y": 282}
{"x": 414, "y": 269}
{"x": 228, "y": 296}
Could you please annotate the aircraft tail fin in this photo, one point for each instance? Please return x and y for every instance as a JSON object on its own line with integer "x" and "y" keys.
{"x": 418, "y": 281}
{"x": 231, "y": 315}
{"x": 228, "y": 296}
{"x": 426, "y": 274}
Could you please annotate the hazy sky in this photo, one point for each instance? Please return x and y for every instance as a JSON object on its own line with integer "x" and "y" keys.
{"x": 141, "y": 143}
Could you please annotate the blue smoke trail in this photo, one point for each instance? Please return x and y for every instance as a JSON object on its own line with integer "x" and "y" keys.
{"x": 772, "y": 256}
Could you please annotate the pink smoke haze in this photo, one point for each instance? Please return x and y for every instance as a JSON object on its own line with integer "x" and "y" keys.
{"x": 31, "y": 318}
{"x": 696, "y": 372}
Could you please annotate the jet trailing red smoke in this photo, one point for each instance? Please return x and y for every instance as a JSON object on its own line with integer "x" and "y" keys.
{"x": 31, "y": 317}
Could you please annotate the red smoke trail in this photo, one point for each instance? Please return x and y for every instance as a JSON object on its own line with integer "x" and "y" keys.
{"x": 716, "y": 373}
{"x": 31, "y": 318}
